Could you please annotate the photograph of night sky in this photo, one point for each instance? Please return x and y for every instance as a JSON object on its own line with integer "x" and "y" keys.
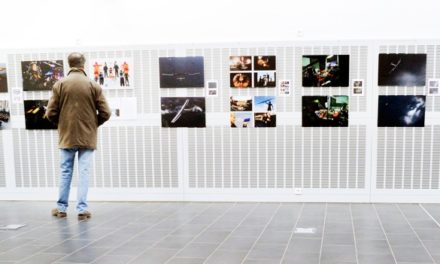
{"x": 402, "y": 69}
{"x": 401, "y": 111}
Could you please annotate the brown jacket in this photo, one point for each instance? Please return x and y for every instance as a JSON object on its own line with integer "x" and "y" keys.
{"x": 78, "y": 106}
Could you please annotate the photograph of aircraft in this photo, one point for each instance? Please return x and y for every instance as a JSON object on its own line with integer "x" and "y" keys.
{"x": 402, "y": 69}
{"x": 183, "y": 111}
{"x": 181, "y": 72}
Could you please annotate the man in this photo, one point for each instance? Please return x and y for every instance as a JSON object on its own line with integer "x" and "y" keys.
{"x": 78, "y": 107}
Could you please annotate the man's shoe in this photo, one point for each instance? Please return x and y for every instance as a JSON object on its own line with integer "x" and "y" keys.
{"x": 84, "y": 215}
{"x": 58, "y": 213}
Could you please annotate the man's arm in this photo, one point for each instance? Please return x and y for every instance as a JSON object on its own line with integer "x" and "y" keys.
{"x": 102, "y": 107}
{"x": 53, "y": 108}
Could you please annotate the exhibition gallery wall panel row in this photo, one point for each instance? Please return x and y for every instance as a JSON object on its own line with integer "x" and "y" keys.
{"x": 259, "y": 121}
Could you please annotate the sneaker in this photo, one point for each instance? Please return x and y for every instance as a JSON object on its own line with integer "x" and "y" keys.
{"x": 84, "y": 215}
{"x": 58, "y": 213}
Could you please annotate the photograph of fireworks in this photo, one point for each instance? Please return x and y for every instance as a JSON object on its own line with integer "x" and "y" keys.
{"x": 265, "y": 79}
{"x": 41, "y": 75}
{"x": 241, "y": 103}
{"x": 34, "y": 113}
{"x": 264, "y": 63}
{"x": 325, "y": 111}
{"x": 241, "y": 80}
{"x": 3, "y": 78}
{"x": 240, "y": 63}
{"x": 5, "y": 114}
{"x": 115, "y": 73}
{"x": 241, "y": 119}
{"x": 401, "y": 111}
{"x": 181, "y": 72}
{"x": 183, "y": 111}
{"x": 402, "y": 69}
{"x": 325, "y": 70}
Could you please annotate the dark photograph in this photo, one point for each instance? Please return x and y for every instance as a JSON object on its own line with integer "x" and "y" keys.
{"x": 240, "y": 63}
{"x": 265, "y": 119}
{"x": 34, "y": 113}
{"x": 181, "y": 72}
{"x": 5, "y": 114}
{"x": 183, "y": 111}
{"x": 241, "y": 103}
{"x": 401, "y": 111}
{"x": 402, "y": 69}
{"x": 41, "y": 75}
{"x": 265, "y": 79}
{"x": 264, "y": 63}
{"x": 241, "y": 80}
{"x": 325, "y": 70}
{"x": 325, "y": 111}
{"x": 3, "y": 79}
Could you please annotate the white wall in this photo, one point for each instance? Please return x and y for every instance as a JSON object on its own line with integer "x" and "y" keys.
{"x": 55, "y": 23}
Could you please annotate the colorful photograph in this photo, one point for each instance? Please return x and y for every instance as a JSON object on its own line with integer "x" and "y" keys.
{"x": 264, "y": 103}
{"x": 34, "y": 113}
{"x": 41, "y": 75}
{"x": 5, "y": 114}
{"x": 265, "y": 119}
{"x": 3, "y": 78}
{"x": 181, "y": 72}
{"x": 264, "y": 63}
{"x": 241, "y": 103}
{"x": 325, "y": 111}
{"x": 240, "y": 63}
{"x": 401, "y": 111}
{"x": 325, "y": 70}
{"x": 183, "y": 111}
{"x": 402, "y": 69}
{"x": 241, "y": 80}
{"x": 115, "y": 73}
{"x": 265, "y": 79}
{"x": 241, "y": 119}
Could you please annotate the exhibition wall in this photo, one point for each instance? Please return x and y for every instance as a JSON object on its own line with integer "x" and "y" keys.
{"x": 142, "y": 157}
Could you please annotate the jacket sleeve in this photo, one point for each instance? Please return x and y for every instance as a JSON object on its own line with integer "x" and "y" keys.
{"x": 102, "y": 107}
{"x": 53, "y": 107}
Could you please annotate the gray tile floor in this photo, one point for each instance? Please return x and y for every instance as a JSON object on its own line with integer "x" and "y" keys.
{"x": 226, "y": 233}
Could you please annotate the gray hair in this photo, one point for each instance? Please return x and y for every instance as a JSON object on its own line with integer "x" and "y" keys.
{"x": 76, "y": 60}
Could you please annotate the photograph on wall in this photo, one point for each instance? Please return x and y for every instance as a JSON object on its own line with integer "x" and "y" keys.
{"x": 181, "y": 72}
{"x": 241, "y": 80}
{"x": 114, "y": 73}
{"x": 241, "y": 119}
{"x": 5, "y": 114}
{"x": 325, "y": 70}
{"x": 264, "y": 103}
{"x": 241, "y": 103}
{"x": 325, "y": 111}
{"x": 401, "y": 111}
{"x": 183, "y": 111}
{"x": 3, "y": 78}
{"x": 284, "y": 88}
{"x": 264, "y": 63}
{"x": 41, "y": 75}
{"x": 402, "y": 69}
{"x": 433, "y": 87}
{"x": 265, "y": 79}
{"x": 358, "y": 87}
{"x": 34, "y": 113}
{"x": 240, "y": 63}
{"x": 124, "y": 108}
{"x": 265, "y": 119}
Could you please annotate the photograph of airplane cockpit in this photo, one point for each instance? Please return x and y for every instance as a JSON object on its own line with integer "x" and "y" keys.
{"x": 183, "y": 111}
{"x": 41, "y": 75}
{"x": 402, "y": 69}
{"x": 181, "y": 72}
{"x": 325, "y": 70}
{"x": 3, "y": 79}
{"x": 401, "y": 111}
{"x": 325, "y": 111}
{"x": 241, "y": 103}
{"x": 34, "y": 113}
{"x": 5, "y": 114}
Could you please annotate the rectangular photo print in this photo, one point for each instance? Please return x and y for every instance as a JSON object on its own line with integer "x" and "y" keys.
{"x": 241, "y": 80}
{"x": 114, "y": 73}
{"x": 183, "y": 111}
{"x": 241, "y": 119}
{"x": 402, "y": 69}
{"x": 241, "y": 103}
{"x": 5, "y": 114}
{"x": 240, "y": 63}
{"x": 264, "y": 63}
{"x": 265, "y": 119}
{"x": 264, "y": 103}
{"x": 325, "y": 111}
{"x": 3, "y": 79}
{"x": 181, "y": 72}
{"x": 265, "y": 79}
{"x": 401, "y": 111}
{"x": 41, "y": 75}
{"x": 325, "y": 70}
{"x": 34, "y": 113}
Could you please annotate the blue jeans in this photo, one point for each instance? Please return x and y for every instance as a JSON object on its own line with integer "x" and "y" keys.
{"x": 67, "y": 162}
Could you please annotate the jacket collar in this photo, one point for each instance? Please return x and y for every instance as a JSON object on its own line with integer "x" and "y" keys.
{"x": 74, "y": 69}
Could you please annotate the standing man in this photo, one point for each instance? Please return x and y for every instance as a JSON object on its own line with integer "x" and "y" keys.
{"x": 78, "y": 107}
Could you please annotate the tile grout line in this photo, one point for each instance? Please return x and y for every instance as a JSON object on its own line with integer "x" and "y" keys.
{"x": 417, "y": 235}
{"x": 292, "y": 233}
{"x": 383, "y": 230}
{"x": 354, "y": 234}
{"x": 323, "y": 231}
{"x": 264, "y": 229}
{"x": 226, "y": 238}
{"x": 429, "y": 214}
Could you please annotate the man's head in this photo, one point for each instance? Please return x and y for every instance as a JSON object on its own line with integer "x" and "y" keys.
{"x": 76, "y": 60}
